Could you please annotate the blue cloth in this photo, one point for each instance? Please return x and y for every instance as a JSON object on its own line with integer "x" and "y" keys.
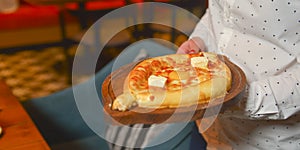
{"x": 197, "y": 141}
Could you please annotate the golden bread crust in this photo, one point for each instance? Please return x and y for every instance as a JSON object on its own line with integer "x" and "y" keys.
{"x": 185, "y": 86}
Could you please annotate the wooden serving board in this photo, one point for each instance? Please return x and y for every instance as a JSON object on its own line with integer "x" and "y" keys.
{"x": 113, "y": 86}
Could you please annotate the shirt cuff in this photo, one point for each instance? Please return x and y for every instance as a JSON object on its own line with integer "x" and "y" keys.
{"x": 262, "y": 101}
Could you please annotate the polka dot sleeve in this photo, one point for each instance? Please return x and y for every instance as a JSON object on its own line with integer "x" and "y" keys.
{"x": 276, "y": 97}
{"x": 260, "y": 38}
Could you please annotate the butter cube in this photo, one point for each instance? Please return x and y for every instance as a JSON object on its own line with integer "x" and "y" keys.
{"x": 200, "y": 62}
{"x": 157, "y": 81}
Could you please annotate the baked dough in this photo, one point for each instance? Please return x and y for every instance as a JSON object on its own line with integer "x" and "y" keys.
{"x": 176, "y": 80}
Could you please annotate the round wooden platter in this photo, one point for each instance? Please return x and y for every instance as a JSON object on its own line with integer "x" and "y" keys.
{"x": 113, "y": 86}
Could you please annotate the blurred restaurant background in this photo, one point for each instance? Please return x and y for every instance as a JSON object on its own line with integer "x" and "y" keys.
{"x": 39, "y": 38}
{"x": 39, "y": 41}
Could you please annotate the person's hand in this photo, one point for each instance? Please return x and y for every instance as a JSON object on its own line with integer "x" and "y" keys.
{"x": 191, "y": 46}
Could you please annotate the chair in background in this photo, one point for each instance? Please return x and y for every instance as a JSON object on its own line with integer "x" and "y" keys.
{"x": 88, "y": 13}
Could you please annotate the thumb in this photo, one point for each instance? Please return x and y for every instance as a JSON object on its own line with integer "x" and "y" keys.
{"x": 197, "y": 44}
{"x": 182, "y": 50}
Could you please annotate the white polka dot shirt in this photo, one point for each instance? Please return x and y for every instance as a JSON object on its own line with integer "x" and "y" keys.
{"x": 263, "y": 38}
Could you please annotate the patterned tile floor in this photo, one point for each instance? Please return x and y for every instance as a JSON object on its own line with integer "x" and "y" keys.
{"x": 32, "y": 74}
